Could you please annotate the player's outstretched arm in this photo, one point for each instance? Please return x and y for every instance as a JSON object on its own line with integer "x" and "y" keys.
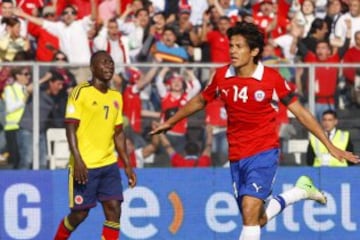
{"x": 308, "y": 120}
{"x": 195, "y": 104}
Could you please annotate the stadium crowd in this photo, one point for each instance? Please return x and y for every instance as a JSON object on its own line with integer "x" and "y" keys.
{"x": 164, "y": 31}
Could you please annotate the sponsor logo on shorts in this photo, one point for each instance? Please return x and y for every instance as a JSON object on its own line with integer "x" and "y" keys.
{"x": 257, "y": 188}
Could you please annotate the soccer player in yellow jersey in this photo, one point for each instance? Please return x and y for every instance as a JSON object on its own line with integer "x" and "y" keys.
{"x": 94, "y": 131}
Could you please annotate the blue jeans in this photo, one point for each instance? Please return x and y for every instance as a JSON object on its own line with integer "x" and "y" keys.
{"x": 220, "y": 148}
{"x": 25, "y": 143}
{"x": 177, "y": 142}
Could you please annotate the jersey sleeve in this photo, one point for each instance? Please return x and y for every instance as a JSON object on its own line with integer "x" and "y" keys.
{"x": 210, "y": 91}
{"x": 74, "y": 106}
{"x": 283, "y": 90}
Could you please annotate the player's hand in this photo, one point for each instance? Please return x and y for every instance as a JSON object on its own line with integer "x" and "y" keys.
{"x": 131, "y": 176}
{"x": 161, "y": 128}
{"x": 344, "y": 155}
{"x": 80, "y": 172}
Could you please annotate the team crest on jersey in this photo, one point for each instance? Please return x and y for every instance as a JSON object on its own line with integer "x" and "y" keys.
{"x": 78, "y": 199}
{"x": 116, "y": 104}
{"x": 259, "y": 95}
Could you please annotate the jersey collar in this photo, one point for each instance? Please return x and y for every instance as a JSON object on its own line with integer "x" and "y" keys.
{"x": 258, "y": 73}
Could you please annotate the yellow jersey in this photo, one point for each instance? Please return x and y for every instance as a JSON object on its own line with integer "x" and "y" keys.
{"x": 98, "y": 114}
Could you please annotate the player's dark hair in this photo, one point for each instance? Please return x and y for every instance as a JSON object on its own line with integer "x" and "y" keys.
{"x": 331, "y": 112}
{"x": 252, "y": 34}
{"x": 95, "y": 56}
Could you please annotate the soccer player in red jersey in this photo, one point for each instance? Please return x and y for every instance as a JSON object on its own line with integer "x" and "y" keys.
{"x": 94, "y": 131}
{"x": 250, "y": 92}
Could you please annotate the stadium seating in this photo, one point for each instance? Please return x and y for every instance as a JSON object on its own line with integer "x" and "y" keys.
{"x": 58, "y": 148}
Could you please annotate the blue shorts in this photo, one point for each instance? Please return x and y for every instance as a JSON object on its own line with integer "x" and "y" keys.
{"x": 255, "y": 175}
{"x": 103, "y": 184}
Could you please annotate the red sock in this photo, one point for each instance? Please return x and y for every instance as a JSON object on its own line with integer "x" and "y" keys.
{"x": 64, "y": 230}
{"x": 110, "y": 230}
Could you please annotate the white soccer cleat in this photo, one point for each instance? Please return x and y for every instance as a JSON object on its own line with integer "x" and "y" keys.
{"x": 306, "y": 183}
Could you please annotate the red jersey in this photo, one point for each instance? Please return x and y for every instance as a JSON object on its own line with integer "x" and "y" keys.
{"x": 190, "y": 161}
{"x": 250, "y": 105}
{"x": 169, "y": 106}
{"x": 46, "y": 43}
{"x": 325, "y": 78}
{"x": 216, "y": 113}
{"x": 29, "y": 5}
{"x": 132, "y": 107}
{"x": 352, "y": 55}
{"x": 219, "y": 47}
{"x": 264, "y": 21}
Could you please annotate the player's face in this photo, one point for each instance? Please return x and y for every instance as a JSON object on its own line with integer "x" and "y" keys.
{"x": 103, "y": 67}
{"x": 240, "y": 52}
{"x": 328, "y": 122}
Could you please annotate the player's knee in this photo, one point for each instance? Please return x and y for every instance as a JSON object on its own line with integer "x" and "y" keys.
{"x": 263, "y": 220}
{"x": 112, "y": 210}
{"x": 76, "y": 217}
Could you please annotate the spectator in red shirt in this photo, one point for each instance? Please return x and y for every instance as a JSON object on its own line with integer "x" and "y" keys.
{"x": 216, "y": 116}
{"x": 69, "y": 83}
{"x": 272, "y": 23}
{"x": 133, "y": 111}
{"x": 352, "y": 75}
{"x": 192, "y": 156}
{"x": 139, "y": 156}
{"x": 30, "y": 6}
{"x": 47, "y": 43}
{"x": 216, "y": 39}
{"x": 326, "y": 78}
{"x": 249, "y": 90}
{"x": 174, "y": 92}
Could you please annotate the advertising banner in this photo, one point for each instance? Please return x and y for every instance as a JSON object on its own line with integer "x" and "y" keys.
{"x": 181, "y": 204}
